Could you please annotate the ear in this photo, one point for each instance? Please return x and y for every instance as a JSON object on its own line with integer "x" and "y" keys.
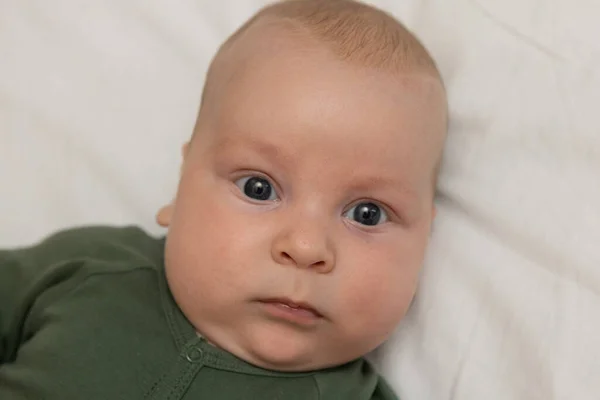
{"x": 165, "y": 214}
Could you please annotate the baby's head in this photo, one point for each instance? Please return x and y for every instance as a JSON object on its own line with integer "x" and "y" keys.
{"x": 306, "y": 196}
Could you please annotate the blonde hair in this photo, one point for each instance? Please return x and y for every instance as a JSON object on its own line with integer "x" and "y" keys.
{"x": 353, "y": 31}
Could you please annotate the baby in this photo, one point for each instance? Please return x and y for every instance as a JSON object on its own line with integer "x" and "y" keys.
{"x": 294, "y": 242}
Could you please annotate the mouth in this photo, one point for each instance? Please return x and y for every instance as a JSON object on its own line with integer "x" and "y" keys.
{"x": 299, "y": 313}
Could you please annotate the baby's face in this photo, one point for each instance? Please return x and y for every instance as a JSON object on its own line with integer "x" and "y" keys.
{"x": 304, "y": 209}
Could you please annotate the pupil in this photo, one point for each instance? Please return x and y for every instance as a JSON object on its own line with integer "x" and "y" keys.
{"x": 367, "y": 214}
{"x": 257, "y": 188}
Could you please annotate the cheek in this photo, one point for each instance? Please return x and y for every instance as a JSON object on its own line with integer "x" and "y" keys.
{"x": 381, "y": 286}
{"x": 382, "y": 297}
{"x": 207, "y": 225}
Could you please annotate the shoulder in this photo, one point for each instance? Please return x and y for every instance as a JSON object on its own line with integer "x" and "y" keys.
{"x": 130, "y": 245}
{"x": 36, "y": 277}
{"x": 356, "y": 380}
{"x": 71, "y": 256}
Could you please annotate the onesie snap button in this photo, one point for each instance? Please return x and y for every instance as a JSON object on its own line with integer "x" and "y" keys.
{"x": 194, "y": 355}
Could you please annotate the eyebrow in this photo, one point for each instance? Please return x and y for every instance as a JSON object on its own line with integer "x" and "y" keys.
{"x": 360, "y": 184}
{"x": 269, "y": 150}
{"x": 370, "y": 183}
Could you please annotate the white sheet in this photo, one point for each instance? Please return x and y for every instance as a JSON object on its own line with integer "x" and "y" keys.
{"x": 96, "y": 98}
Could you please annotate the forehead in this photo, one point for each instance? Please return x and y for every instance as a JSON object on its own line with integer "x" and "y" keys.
{"x": 268, "y": 61}
{"x": 303, "y": 101}
{"x": 306, "y": 94}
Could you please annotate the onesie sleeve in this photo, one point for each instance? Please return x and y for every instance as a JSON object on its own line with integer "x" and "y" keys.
{"x": 35, "y": 277}
{"x": 17, "y": 277}
{"x": 29, "y": 278}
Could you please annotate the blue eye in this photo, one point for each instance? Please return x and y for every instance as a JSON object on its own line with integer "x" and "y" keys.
{"x": 367, "y": 213}
{"x": 257, "y": 188}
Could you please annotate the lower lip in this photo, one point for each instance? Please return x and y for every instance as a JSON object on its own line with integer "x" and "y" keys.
{"x": 297, "y": 316}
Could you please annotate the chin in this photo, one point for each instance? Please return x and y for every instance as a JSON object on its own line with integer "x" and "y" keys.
{"x": 284, "y": 350}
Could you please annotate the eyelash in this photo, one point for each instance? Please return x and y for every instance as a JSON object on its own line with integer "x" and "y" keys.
{"x": 383, "y": 207}
{"x": 249, "y": 174}
{"x": 272, "y": 188}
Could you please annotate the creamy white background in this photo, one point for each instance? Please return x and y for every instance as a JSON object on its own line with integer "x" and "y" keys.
{"x": 97, "y": 97}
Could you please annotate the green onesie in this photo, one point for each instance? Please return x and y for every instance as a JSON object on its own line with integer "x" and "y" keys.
{"x": 87, "y": 314}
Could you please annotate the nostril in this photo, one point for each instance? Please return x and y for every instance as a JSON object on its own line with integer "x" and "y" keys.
{"x": 319, "y": 264}
{"x": 286, "y": 256}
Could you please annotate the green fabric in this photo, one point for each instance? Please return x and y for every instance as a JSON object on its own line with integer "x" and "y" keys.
{"x": 86, "y": 314}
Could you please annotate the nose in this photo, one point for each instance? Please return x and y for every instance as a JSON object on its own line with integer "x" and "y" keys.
{"x": 304, "y": 244}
